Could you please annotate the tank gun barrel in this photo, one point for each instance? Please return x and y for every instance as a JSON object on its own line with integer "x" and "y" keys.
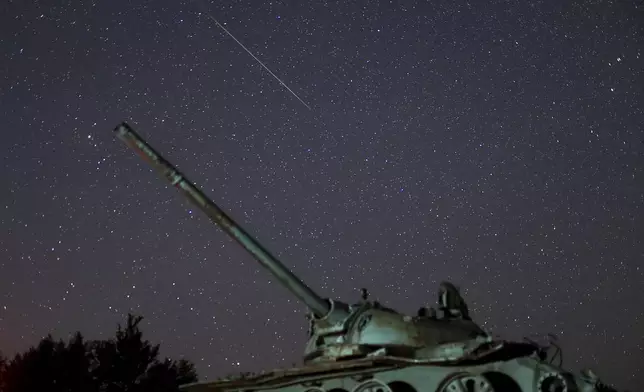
{"x": 318, "y": 305}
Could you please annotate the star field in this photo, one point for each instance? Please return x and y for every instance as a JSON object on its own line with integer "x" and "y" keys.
{"x": 495, "y": 144}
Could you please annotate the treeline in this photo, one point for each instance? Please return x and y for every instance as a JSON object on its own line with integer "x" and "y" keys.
{"x": 124, "y": 363}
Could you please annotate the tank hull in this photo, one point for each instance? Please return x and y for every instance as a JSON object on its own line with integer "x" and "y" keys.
{"x": 387, "y": 374}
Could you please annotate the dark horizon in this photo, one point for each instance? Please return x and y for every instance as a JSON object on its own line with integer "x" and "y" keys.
{"x": 495, "y": 145}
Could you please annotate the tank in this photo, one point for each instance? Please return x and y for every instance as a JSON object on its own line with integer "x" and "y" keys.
{"x": 367, "y": 347}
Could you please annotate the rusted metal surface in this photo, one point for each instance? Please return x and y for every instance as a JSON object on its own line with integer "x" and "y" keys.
{"x": 316, "y": 304}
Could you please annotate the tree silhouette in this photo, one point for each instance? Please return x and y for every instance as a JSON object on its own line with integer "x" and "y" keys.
{"x": 126, "y": 363}
{"x": 3, "y": 364}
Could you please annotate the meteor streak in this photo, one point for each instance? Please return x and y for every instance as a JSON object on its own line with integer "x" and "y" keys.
{"x": 209, "y": 15}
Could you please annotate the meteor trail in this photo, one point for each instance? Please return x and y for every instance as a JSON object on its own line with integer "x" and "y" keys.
{"x": 255, "y": 57}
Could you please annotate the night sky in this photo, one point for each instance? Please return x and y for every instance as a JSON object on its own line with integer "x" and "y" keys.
{"x": 496, "y": 144}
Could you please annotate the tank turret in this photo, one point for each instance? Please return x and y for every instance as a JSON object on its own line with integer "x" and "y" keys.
{"x": 373, "y": 348}
{"x": 339, "y": 330}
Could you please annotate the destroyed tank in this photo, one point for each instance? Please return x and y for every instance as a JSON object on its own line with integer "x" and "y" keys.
{"x": 368, "y": 347}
